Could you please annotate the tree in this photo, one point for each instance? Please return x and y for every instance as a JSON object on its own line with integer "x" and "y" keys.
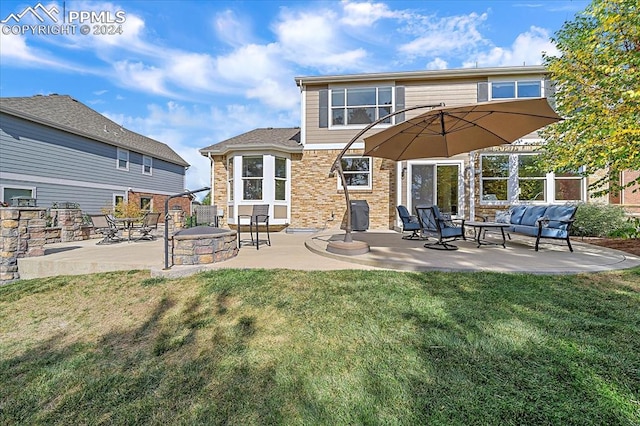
{"x": 597, "y": 91}
{"x": 207, "y": 199}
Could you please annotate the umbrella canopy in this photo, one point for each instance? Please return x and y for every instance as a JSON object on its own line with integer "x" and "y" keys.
{"x": 446, "y": 131}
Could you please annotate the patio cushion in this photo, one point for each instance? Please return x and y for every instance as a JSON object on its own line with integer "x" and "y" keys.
{"x": 532, "y": 214}
{"x": 559, "y": 215}
{"x": 516, "y": 214}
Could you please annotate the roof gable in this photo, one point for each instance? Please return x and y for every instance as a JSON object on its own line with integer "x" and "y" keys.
{"x": 67, "y": 114}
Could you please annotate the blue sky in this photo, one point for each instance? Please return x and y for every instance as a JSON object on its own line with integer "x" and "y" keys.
{"x": 194, "y": 73}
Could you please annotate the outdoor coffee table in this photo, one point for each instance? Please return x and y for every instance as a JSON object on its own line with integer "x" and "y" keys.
{"x": 478, "y": 228}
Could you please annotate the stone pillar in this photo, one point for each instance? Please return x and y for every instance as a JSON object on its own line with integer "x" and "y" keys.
{"x": 22, "y": 234}
{"x": 70, "y": 223}
{"x": 176, "y": 221}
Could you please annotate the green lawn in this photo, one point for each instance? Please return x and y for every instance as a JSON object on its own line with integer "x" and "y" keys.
{"x": 322, "y": 348}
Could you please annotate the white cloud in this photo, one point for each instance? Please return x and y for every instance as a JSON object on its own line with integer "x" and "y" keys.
{"x": 437, "y": 36}
{"x": 231, "y": 29}
{"x": 138, "y": 76}
{"x": 526, "y": 49}
{"x": 312, "y": 39}
{"x": 358, "y": 14}
{"x": 437, "y": 64}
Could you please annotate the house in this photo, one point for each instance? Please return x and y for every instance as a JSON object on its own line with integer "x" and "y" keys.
{"x": 253, "y": 167}
{"x": 55, "y": 149}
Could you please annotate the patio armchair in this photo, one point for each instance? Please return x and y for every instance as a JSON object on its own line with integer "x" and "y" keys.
{"x": 103, "y": 225}
{"x": 259, "y": 215}
{"x": 440, "y": 226}
{"x": 149, "y": 224}
{"x": 410, "y": 223}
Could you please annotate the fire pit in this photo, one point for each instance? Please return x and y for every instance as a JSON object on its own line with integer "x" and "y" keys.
{"x": 203, "y": 244}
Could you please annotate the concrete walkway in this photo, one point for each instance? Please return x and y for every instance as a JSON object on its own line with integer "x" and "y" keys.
{"x": 306, "y": 251}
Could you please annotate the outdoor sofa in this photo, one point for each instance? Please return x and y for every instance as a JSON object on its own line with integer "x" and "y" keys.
{"x": 552, "y": 221}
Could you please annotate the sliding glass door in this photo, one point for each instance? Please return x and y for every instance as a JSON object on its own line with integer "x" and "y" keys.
{"x": 436, "y": 183}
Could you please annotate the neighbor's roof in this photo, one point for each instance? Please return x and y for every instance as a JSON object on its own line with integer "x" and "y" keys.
{"x": 424, "y": 75}
{"x": 67, "y": 114}
{"x": 280, "y": 139}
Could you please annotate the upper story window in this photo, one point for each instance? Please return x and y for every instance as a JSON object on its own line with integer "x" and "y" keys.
{"x": 357, "y": 172}
{"x": 147, "y": 165}
{"x": 516, "y": 89}
{"x": 252, "y": 174}
{"x": 361, "y": 105}
{"x": 122, "y": 161}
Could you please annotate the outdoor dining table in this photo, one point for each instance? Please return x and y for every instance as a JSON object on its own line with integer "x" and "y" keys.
{"x": 127, "y": 224}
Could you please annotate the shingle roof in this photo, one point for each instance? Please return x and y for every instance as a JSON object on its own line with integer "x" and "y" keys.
{"x": 283, "y": 139}
{"x": 67, "y": 114}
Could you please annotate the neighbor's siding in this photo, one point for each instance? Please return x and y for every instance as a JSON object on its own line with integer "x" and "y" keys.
{"x": 40, "y": 153}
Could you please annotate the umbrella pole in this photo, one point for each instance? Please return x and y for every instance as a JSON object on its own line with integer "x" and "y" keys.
{"x": 348, "y": 246}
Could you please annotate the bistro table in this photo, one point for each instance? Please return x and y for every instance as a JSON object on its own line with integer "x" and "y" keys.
{"x": 478, "y": 228}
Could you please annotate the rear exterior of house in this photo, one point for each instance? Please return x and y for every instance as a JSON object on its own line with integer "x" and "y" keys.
{"x": 335, "y": 108}
{"x": 56, "y": 150}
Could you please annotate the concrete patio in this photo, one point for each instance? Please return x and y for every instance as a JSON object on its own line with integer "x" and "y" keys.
{"x": 307, "y": 251}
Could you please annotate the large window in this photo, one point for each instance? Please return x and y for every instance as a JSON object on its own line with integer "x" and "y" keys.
{"x": 252, "y": 173}
{"x": 507, "y": 178}
{"x": 531, "y": 179}
{"x": 516, "y": 89}
{"x": 280, "y": 177}
{"x": 362, "y": 105}
{"x": 357, "y": 172}
{"x": 122, "y": 162}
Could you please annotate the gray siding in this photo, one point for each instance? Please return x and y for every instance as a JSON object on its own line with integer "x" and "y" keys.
{"x": 31, "y": 149}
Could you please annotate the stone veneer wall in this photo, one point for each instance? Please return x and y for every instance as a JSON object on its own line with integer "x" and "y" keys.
{"x": 22, "y": 234}
{"x": 204, "y": 249}
{"x": 315, "y": 195}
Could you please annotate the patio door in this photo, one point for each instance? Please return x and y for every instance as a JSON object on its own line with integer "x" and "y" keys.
{"x": 436, "y": 183}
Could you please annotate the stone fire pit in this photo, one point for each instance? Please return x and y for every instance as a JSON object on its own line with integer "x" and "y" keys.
{"x": 203, "y": 244}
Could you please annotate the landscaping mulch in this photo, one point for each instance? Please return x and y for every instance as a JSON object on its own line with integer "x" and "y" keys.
{"x": 629, "y": 245}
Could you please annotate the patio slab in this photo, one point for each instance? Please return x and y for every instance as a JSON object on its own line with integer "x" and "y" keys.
{"x": 307, "y": 251}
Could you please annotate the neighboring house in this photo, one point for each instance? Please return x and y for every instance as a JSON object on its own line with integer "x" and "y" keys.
{"x": 55, "y": 149}
{"x": 249, "y": 168}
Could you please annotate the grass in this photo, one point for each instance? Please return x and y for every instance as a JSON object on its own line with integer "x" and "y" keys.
{"x": 322, "y": 348}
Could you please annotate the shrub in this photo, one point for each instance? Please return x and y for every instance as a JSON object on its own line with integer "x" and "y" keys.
{"x": 599, "y": 220}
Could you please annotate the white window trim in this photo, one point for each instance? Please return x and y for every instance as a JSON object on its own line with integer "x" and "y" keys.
{"x": 513, "y": 187}
{"x": 28, "y": 188}
{"x": 261, "y": 178}
{"x": 286, "y": 179}
{"x": 358, "y": 188}
{"x": 122, "y": 151}
{"x": 150, "y": 159}
{"x": 332, "y": 126}
{"x": 516, "y": 82}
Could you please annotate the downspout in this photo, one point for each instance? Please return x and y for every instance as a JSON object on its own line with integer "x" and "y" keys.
{"x": 213, "y": 182}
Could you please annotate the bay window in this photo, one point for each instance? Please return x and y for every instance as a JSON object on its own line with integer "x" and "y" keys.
{"x": 252, "y": 171}
{"x": 280, "y": 177}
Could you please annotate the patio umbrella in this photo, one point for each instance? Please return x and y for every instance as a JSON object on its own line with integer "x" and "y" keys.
{"x": 443, "y": 132}
{"x": 446, "y": 131}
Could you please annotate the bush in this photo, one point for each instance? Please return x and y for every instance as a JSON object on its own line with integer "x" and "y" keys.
{"x": 599, "y": 220}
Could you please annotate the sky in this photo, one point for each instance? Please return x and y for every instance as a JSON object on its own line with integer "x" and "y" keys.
{"x": 194, "y": 73}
